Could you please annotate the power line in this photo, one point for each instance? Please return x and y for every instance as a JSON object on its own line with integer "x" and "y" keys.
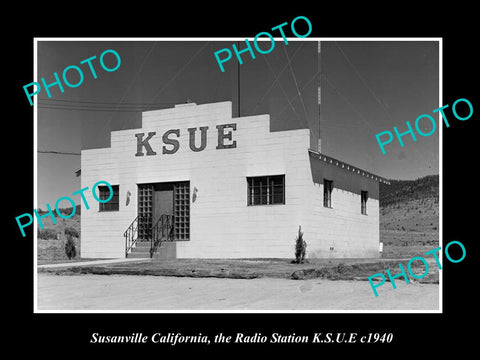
{"x": 275, "y": 80}
{"x": 414, "y": 149}
{"x": 181, "y": 70}
{"x": 364, "y": 81}
{"x": 134, "y": 79}
{"x": 296, "y": 85}
{"x": 281, "y": 88}
{"x": 346, "y": 100}
{"x": 304, "y": 86}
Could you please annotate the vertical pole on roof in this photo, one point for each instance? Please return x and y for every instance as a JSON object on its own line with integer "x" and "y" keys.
{"x": 238, "y": 80}
{"x": 319, "y": 93}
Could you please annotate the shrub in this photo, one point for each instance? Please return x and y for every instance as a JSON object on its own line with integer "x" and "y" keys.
{"x": 72, "y": 231}
{"x": 70, "y": 249}
{"x": 341, "y": 268}
{"x": 300, "y": 247}
{"x": 47, "y": 234}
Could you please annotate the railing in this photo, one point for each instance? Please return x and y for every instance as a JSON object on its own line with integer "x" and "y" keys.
{"x": 162, "y": 230}
{"x": 131, "y": 234}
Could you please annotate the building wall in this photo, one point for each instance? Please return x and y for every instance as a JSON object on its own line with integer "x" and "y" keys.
{"x": 342, "y": 230}
{"x": 221, "y": 223}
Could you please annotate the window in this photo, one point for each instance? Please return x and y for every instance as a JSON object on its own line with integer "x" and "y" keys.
{"x": 113, "y": 203}
{"x": 364, "y": 198}
{"x": 181, "y": 195}
{"x": 145, "y": 201}
{"x": 327, "y": 193}
{"x": 266, "y": 190}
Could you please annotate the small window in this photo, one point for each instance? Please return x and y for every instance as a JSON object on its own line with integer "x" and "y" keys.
{"x": 364, "y": 198}
{"x": 266, "y": 190}
{"x": 327, "y": 193}
{"x": 113, "y": 203}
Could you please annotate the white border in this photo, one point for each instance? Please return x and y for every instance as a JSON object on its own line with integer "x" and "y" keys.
{"x": 326, "y": 39}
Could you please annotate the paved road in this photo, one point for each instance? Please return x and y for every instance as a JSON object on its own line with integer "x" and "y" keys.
{"x": 123, "y": 292}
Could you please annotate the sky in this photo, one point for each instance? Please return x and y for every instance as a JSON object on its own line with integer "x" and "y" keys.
{"x": 366, "y": 87}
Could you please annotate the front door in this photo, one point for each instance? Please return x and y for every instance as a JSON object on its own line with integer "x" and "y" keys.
{"x": 162, "y": 201}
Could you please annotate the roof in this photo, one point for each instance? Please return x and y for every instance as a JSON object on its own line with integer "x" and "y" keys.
{"x": 346, "y": 166}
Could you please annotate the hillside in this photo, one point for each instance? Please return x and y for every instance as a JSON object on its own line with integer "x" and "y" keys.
{"x": 403, "y": 190}
{"x": 409, "y": 218}
{"x": 55, "y": 248}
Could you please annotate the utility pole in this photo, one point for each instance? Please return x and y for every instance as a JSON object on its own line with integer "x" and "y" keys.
{"x": 319, "y": 93}
{"x": 238, "y": 80}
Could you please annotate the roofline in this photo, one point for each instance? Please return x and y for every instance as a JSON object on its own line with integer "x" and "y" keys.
{"x": 348, "y": 167}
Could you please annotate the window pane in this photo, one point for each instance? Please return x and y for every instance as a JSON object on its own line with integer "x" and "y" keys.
{"x": 278, "y": 198}
{"x": 266, "y": 190}
{"x": 104, "y": 194}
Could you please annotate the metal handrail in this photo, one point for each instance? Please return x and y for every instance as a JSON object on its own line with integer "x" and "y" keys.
{"x": 163, "y": 229}
{"x": 131, "y": 234}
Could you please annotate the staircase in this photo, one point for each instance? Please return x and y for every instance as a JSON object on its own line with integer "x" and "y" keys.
{"x": 166, "y": 250}
{"x": 159, "y": 245}
{"x": 140, "y": 250}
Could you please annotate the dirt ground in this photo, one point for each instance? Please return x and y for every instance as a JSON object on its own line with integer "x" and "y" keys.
{"x": 124, "y": 292}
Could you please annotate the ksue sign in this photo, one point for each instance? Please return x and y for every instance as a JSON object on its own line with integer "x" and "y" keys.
{"x": 169, "y": 138}
{"x": 72, "y": 69}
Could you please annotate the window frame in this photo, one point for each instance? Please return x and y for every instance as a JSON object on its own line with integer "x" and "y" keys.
{"x": 270, "y": 194}
{"x": 363, "y": 202}
{"x": 107, "y": 206}
{"x": 327, "y": 190}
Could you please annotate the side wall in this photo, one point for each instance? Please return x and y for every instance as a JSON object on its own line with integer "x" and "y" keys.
{"x": 342, "y": 230}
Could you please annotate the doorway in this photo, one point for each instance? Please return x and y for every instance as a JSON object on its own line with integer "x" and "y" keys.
{"x": 157, "y": 199}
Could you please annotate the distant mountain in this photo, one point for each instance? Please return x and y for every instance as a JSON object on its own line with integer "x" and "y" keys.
{"x": 409, "y": 216}
{"x": 400, "y": 191}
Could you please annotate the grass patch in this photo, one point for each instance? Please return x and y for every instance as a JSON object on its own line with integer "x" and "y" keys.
{"x": 332, "y": 269}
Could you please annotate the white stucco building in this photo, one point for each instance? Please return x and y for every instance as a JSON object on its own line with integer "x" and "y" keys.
{"x": 224, "y": 187}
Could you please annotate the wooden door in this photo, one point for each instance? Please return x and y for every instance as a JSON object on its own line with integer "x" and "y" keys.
{"x": 162, "y": 201}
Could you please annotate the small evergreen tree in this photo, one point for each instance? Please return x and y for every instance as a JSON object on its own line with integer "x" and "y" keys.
{"x": 70, "y": 249}
{"x": 300, "y": 247}
{"x": 71, "y": 231}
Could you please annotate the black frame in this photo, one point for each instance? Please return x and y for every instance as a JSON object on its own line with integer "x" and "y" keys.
{"x": 327, "y": 193}
{"x": 363, "y": 201}
{"x": 266, "y": 190}
{"x": 114, "y": 203}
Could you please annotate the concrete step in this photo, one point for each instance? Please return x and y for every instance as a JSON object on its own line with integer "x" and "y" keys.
{"x": 166, "y": 250}
{"x": 143, "y": 244}
{"x": 139, "y": 255}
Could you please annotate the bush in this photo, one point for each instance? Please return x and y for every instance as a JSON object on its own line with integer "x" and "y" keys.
{"x": 47, "y": 234}
{"x": 300, "y": 247}
{"x": 71, "y": 231}
{"x": 70, "y": 249}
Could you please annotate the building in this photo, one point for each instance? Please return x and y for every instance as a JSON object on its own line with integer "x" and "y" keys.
{"x": 195, "y": 182}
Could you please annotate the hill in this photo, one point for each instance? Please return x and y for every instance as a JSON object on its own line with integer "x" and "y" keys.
{"x": 409, "y": 216}
{"x": 54, "y": 247}
{"x": 402, "y": 190}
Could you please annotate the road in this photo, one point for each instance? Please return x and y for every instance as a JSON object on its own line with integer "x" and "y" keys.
{"x": 124, "y": 292}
